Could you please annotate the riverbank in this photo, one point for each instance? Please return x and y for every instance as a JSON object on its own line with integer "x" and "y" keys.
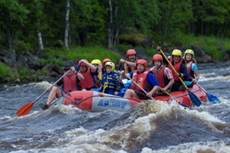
{"x": 49, "y": 65}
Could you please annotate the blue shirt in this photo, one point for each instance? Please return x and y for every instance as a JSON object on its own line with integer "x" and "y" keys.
{"x": 151, "y": 79}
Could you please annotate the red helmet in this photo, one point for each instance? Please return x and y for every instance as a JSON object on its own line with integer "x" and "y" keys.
{"x": 106, "y": 60}
{"x": 142, "y": 61}
{"x": 131, "y": 52}
{"x": 157, "y": 57}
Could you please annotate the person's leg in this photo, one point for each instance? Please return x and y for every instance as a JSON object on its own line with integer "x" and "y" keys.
{"x": 54, "y": 93}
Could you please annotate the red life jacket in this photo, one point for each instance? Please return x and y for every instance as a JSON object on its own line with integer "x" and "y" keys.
{"x": 161, "y": 78}
{"x": 87, "y": 82}
{"x": 70, "y": 83}
{"x": 189, "y": 69}
{"x": 177, "y": 67}
{"x": 141, "y": 79}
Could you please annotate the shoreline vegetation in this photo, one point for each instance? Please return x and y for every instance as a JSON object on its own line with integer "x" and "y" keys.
{"x": 38, "y": 36}
{"x": 49, "y": 65}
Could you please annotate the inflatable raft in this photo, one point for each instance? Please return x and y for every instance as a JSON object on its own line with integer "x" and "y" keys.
{"x": 94, "y": 101}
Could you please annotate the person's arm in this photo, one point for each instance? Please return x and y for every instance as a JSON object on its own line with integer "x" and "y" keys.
{"x": 196, "y": 72}
{"x": 133, "y": 64}
{"x": 91, "y": 66}
{"x": 80, "y": 76}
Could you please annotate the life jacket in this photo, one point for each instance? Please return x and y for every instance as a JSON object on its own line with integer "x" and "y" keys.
{"x": 140, "y": 79}
{"x": 88, "y": 81}
{"x": 177, "y": 67}
{"x": 189, "y": 69}
{"x": 160, "y": 76}
{"x": 109, "y": 82}
{"x": 70, "y": 83}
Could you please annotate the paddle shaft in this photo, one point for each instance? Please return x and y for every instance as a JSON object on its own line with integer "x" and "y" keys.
{"x": 174, "y": 70}
{"x": 140, "y": 87}
{"x": 44, "y": 92}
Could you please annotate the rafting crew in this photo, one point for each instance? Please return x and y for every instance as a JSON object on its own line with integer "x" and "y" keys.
{"x": 103, "y": 77}
{"x": 143, "y": 80}
{"x": 163, "y": 74}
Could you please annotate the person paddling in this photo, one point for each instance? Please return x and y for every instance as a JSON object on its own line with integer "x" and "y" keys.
{"x": 110, "y": 82}
{"x": 129, "y": 64}
{"x": 163, "y": 74}
{"x": 192, "y": 69}
{"x": 145, "y": 79}
{"x": 66, "y": 85}
{"x": 178, "y": 63}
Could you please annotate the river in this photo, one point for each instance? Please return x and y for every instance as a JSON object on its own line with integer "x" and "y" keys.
{"x": 151, "y": 128}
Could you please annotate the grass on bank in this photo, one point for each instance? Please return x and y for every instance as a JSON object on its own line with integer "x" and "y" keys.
{"x": 58, "y": 56}
{"x": 213, "y": 46}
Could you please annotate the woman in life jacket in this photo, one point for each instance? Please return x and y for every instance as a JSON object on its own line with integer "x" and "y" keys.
{"x": 128, "y": 65}
{"x": 110, "y": 82}
{"x": 97, "y": 76}
{"x": 163, "y": 74}
{"x": 87, "y": 70}
{"x": 179, "y": 65}
{"x": 191, "y": 65}
{"x": 64, "y": 86}
{"x": 145, "y": 79}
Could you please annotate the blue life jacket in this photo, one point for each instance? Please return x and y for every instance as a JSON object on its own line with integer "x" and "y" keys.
{"x": 110, "y": 82}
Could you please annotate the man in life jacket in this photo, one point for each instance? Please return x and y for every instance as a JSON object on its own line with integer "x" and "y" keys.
{"x": 87, "y": 70}
{"x": 97, "y": 76}
{"x": 110, "y": 81}
{"x": 178, "y": 63}
{"x": 129, "y": 64}
{"x": 64, "y": 86}
{"x": 145, "y": 79}
{"x": 163, "y": 74}
{"x": 192, "y": 69}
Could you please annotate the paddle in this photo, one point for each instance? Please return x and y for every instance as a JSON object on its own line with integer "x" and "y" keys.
{"x": 140, "y": 87}
{"x": 195, "y": 100}
{"x": 26, "y": 108}
{"x": 212, "y": 98}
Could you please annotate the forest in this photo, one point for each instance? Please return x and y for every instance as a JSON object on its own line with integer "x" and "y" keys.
{"x": 46, "y": 27}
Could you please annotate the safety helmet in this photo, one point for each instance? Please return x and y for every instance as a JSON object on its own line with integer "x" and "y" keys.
{"x": 189, "y": 51}
{"x": 106, "y": 60}
{"x": 157, "y": 57}
{"x": 131, "y": 52}
{"x": 111, "y": 64}
{"x": 176, "y": 52}
{"x": 83, "y": 64}
{"x": 96, "y": 61}
{"x": 142, "y": 62}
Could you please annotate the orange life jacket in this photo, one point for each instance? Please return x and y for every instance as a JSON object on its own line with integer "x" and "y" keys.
{"x": 177, "y": 67}
{"x": 70, "y": 83}
{"x": 141, "y": 79}
{"x": 88, "y": 81}
{"x": 160, "y": 76}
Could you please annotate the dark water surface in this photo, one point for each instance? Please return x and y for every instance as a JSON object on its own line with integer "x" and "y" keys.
{"x": 67, "y": 129}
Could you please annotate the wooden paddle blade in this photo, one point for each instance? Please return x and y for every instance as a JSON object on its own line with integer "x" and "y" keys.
{"x": 195, "y": 100}
{"x": 25, "y": 109}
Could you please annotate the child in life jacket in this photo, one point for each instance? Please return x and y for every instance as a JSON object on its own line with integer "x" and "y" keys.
{"x": 110, "y": 82}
